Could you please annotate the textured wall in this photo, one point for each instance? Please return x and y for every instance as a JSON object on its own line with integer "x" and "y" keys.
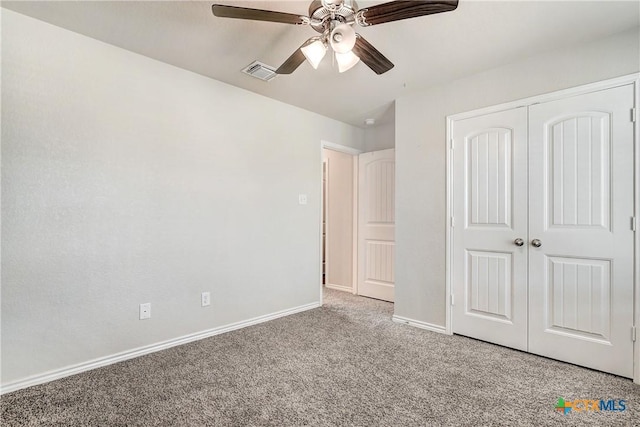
{"x": 421, "y": 150}
{"x": 383, "y": 135}
{"x": 126, "y": 180}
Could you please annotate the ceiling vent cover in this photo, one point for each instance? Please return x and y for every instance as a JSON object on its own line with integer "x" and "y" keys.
{"x": 260, "y": 71}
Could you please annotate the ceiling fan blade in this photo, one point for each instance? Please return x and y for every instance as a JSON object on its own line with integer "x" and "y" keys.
{"x": 223, "y": 11}
{"x": 295, "y": 60}
{"x": 292, "y": 63}
{"x": 371, "y": 56}
{"x": 397, "y": 10}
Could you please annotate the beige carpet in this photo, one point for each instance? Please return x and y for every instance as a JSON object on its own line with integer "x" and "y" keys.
{"x": 345, "y": 364}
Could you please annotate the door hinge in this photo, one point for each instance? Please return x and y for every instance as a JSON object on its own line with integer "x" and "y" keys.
{"x": 453, "y": 299}
{"x": 453, "y": 221}
{"x": 634, "y": 223}
{"x": 633, "y": 333}
{"x": 633, "y": 115}
{"x": 452, "y": 143}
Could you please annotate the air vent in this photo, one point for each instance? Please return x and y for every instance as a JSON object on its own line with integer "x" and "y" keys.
{"x": 260, "y": 71}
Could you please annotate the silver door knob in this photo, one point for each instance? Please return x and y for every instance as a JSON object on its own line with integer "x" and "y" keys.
{"x": 536, "y": 242}
{"x": 518, "y": 242}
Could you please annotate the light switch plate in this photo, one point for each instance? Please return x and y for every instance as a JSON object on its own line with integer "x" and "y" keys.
{"x": 302, "y": 199}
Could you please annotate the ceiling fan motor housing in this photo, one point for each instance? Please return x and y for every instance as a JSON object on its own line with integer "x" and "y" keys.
{"x": 323, "y": 12}
{"x": 332, "y": 5}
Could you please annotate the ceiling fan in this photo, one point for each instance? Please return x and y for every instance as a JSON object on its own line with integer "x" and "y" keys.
{"x": 334, "y": 20}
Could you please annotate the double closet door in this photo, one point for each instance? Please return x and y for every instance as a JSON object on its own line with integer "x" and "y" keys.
{"x": 543, "y": 240}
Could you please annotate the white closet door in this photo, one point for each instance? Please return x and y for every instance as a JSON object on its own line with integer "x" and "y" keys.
{"x": 581, "y": 204}
{"x": 376, "y": 224}
{"x": 490, "y": 212}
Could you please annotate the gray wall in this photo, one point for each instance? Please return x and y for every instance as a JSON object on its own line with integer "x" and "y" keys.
{"x": 421, "y": 147}
{"x": 126, "y": 180}
{"x": 383, "y": 134}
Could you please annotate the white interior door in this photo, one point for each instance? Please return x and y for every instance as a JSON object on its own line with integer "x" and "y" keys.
{"x": 560, "y": 176}
{"x": 581, "y": 197}
{"x": 376, "y": 224}
{"x": 489, "y": 270}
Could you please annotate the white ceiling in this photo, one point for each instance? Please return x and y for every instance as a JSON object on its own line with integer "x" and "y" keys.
{"x": 479, "y": 35}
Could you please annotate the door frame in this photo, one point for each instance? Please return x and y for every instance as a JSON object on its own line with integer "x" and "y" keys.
{"x": 354, "y": 152}
{"x": 633, "y": 79}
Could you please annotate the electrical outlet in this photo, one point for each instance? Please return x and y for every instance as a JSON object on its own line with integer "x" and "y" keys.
{"x": 145, "y": 311}
{"x": 206, "y": 299}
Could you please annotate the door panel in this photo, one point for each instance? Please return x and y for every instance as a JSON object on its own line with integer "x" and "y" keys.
{"x": 581, "y": 198}
{"x": 579, "y": 298}
{"x": 376, "y": 224}
{"x": 489, "y": 284}
{"x": 578, "y": 170}
{"x": 490, "y": 198}
{"x": 489, "y": 177}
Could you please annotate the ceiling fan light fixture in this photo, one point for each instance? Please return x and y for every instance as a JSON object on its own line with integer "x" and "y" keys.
{"x": 314, "y": 52}
{"x": 346, "y": 61}
{"x": 334, "y": 20}
{"x": 342, "y": 38}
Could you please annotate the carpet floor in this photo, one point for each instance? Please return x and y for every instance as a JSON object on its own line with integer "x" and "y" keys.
{"x": 345, "y": 364}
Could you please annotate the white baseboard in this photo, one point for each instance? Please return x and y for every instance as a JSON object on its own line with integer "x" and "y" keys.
{"x": 419, "y": 324}
{"x": 339, "y": 287}
{"x": 141, "y": 351}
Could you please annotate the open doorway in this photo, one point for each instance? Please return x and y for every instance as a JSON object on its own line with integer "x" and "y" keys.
{"x": 358, "y": 224}
{"x": 339, "y": 217}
